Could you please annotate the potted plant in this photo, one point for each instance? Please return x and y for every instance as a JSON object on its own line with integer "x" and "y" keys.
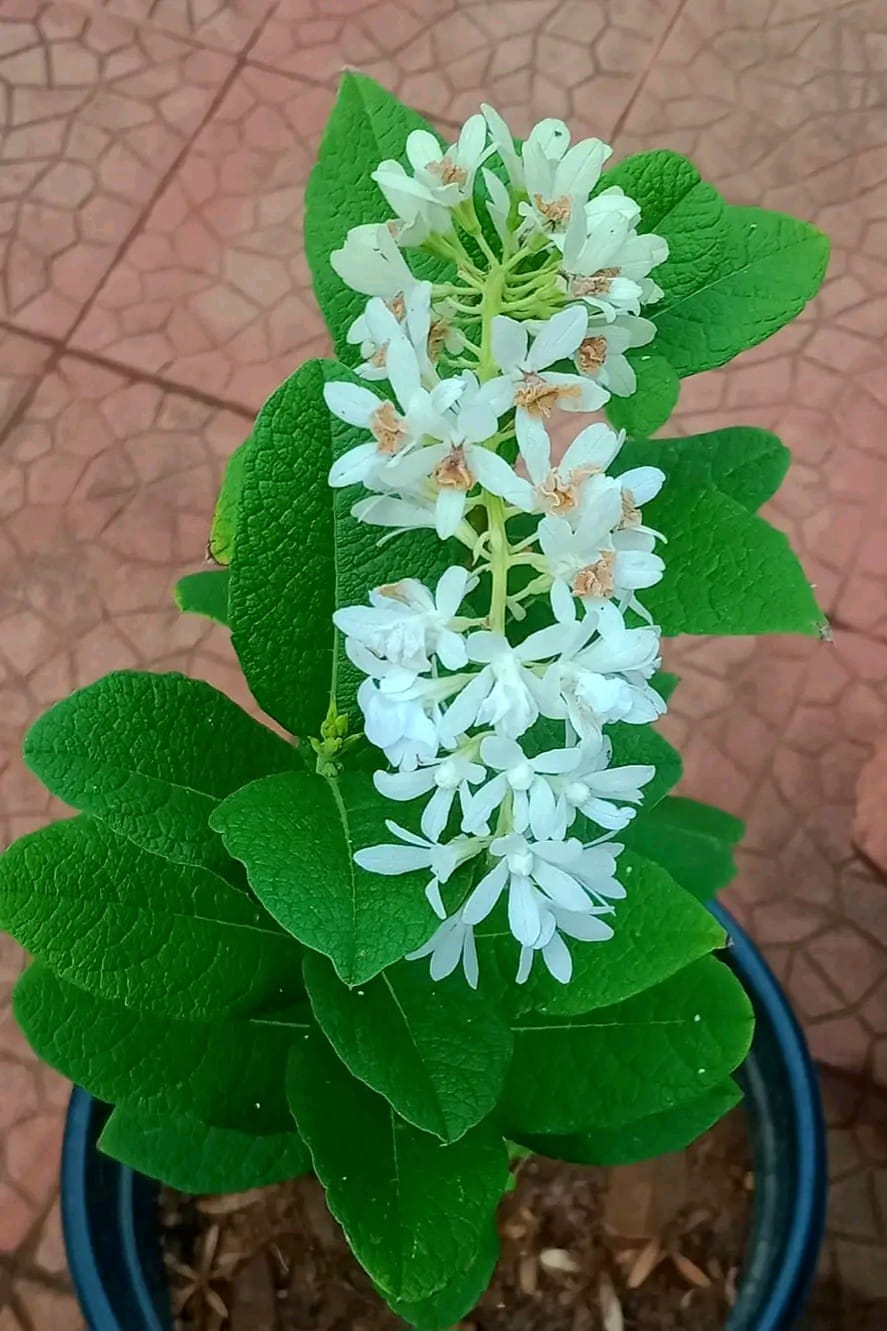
{"x": 454, "y": 916}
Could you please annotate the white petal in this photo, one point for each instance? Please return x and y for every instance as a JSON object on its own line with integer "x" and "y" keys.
{"x": 472, "y": 140}
{"x": 586, "y": 927}
{"x": 462, "y": 711}
{"x": 350, "y": 403}
{"x": 524, "y": 919}
{"x": 404, "y": 785}
{"x": 560, "y": 336}
{"x": 353, "y": 466}
{"x": 542, "y": 809}
{"x": 485, "y": 895}
{"x": 556, "y": 956}
{"x": 449, "y": 511}
{"x": 448, "y": 953}
{"x": 482, "y": 804}
{"x": 436, "y": 813}
{"x": 585, "y": 394}
{"x": 501, "y": 753}
{"x": 422, "y": 147}
{"x": 435, "y": 900}
{"x": 525, "y": 965}
{"x": 393, "y": 859}
{"x": 560, "y": 886}
{"x": 534, "y": 444}
{"x": 497, "y": 476}
{"x": 469, "y": 959}
{"x": 403, "y": 369}
{"x": 451, "y": 650}
{"x": 556, "y": 762}
{"x": 643, "y": 482}
{"x": 633, "y": 569}
{"x": 619, "y": 376}
{"x": 508, "y": 342}
{"x": 563, "y": 603}
{"x": 581, "y": 167}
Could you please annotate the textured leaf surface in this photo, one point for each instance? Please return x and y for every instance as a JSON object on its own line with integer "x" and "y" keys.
{"x": 437, "y": 1052}
{"x": 300, "y": 555}
{"x": 726, "y": 570}
{"x": 297, "y": 835}
{"x": 221, "y": 538}
{"x": 741, "y": 461}
{"x": 449, "y": 1305}
{"x": 662, "y": 1048}
{"x": 204, "y": 593}
{"x": 414, "y": 1211}
{"x": 655, "y": 398}
{"x": 677, "y": 204}
{"x": 657, "y": 1134}
{"x": 367, "y": 126}
{"x": 152, "y": 755}
{"x": 693, "y": 841}
{"x": 771, "y": 266}
{"x": 137, "y": 929}
{"x": 642, "y": 744}
{"x": 189, "y": 1155}
{"x": 227, "y": 1073}
{"x": 658, "y": 930}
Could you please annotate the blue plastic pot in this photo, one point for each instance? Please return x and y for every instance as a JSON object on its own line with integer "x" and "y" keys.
{"x": 109, "y": 1213}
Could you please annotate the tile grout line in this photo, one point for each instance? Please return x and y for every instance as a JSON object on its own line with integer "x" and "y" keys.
{"x": 626, "y": 111}
{"x": 60, "y": 351}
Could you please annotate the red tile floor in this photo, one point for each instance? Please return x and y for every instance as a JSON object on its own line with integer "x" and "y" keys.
{"x": 152, "y": 163}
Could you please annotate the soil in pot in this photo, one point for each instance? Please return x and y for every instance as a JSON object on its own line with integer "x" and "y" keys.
{"x": 579, "y": 1253}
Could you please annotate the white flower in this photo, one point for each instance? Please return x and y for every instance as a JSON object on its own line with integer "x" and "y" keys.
{"x": 451, "y": 943}
{"x": 405, "y": 625}
{"x": 551, "y": 946}
{"x": 560, "y": 490}
{"x": 460, "y": 462}
{"x": 605, "y": 680}
{"x": 601, "y": 353}
{"x": 419, "y": 853}
{"x": 448, "y": 173}
{"x": 402, "y": 712}
{"x": 505, "y": 694}
{"x": 588, "y": 785}
{"x": 370, "y": 262}
{"x": 421, "y": 211}
{"x": 381, "y": 321}
{"x": 558, "y": 178}
{"x": 449, "y": 775}
{"x": 594, "y": 559}
{"x": 498, "y": 205}
{"x": 604, "y": 259}
{"x": 533, "y": 802}
{"x": 531, "y": 387}
{"x": 541, "y": 873}
{"x": 422, "y": 412}
{"x": 503, "y": 142}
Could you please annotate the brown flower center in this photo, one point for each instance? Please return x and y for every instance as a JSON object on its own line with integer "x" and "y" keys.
{"x": 559, "y": 495}
{"x": 596, "y": 580}
{"x": 388, "y": 428}
{"x": 598, "y": 284}
{"x": 554, "y": 210}
{"x": 379, "y": 356}
{"x": 631, "y": 514}
{"x": 453, "y": 473}
{"x": 447, "y": 171}
{"x": 539, "y": 397}
{"x": 398, "y": 306}
{"x": 591, "y": 354}
{"x": 437, "y": 336}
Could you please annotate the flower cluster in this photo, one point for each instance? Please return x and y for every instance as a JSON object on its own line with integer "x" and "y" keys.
{"x": 489, "y": 694}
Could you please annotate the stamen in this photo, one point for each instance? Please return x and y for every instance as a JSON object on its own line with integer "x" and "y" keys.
{"x": 557, "y": 210}
{"x": 539, "y": 397}
{"x": 598, "y": 284}
{"x": 631, "y": 514}
{"x": 448, "y": 172}
{"x": 388, "y": 428}
{"x": 454, "y": 473}
{"x": 398, "y": 306}
{"x": 591, "y": 354}
{"x": 596, "y": 580}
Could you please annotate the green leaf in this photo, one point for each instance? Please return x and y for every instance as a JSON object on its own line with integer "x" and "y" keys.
{"x": 665, "y": 683}
{"x": 677, "y": 204}
{"x": 189, "y": 1155}
{"x": 741, "y": 461}
{"x": 448, "y": 1306}
{"x": 297, "y": 835}
{"x": 771, "y": 266}
{"x": 658, "y": 930}
{"x": 204, "y": 593}
{"x": 693, "y": 841}
{"x": 300, "y": 555}
{"x": 414, "y": 1211}
{"x": 137, "y": 929}
{"x": 654, "y": 399}
{"x": 437, "y": 1052}
{"x": 367, "y": 125}
{"x": 152, "y": 755}
{"x": 221, "y": 538}
{"x": 227, "y": 1073}
{"x": 726, "y": 570}
{"x": 657, "y": 1134}
{"x": 644, "y": 1056}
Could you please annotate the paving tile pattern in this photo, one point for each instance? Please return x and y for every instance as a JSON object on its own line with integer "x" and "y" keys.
{"x": 153, "y": 158}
